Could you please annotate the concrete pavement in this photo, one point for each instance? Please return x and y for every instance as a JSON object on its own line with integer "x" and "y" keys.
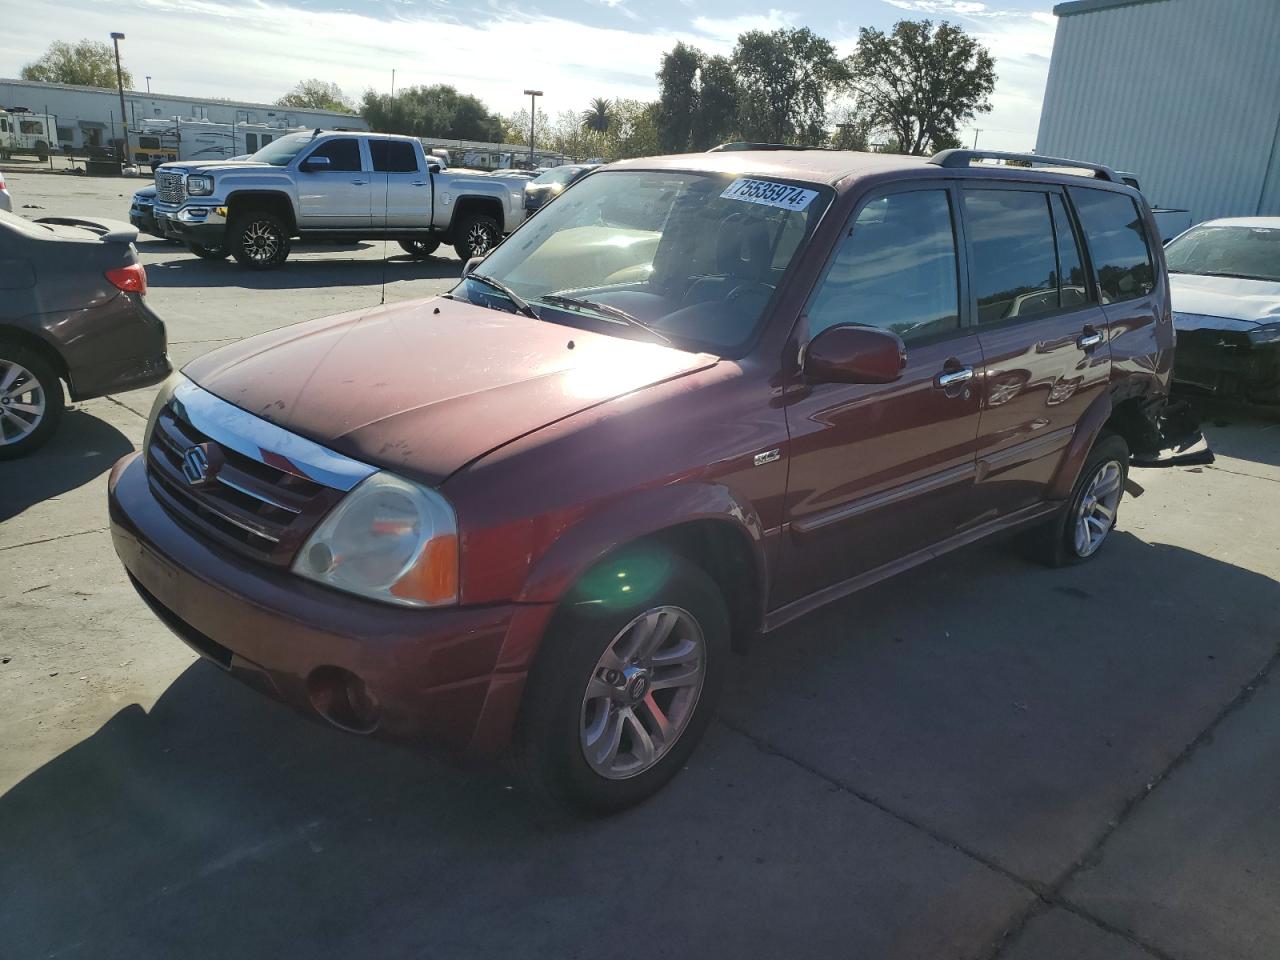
{"x": 981, "y": 759}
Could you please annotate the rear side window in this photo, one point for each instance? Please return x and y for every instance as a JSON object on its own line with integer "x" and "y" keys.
{"x": 1073, "y": 289}
{"x": 393, "y": 156}
{"x": 1117, "y": 240}
{"x": 1014, "y": 263}
{"x": 895, "y": 270}
{"x": 343, "y": 153}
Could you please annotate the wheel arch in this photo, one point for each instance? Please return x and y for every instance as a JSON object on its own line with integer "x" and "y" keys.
{"x": 490, "y": 206}
{"x": 42, "y": 348}
{"x": 273, "y": 201}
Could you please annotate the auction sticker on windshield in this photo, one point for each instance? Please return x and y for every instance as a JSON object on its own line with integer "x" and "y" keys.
{"x": 769, "y": 194}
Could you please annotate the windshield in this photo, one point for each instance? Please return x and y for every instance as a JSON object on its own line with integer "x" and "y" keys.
{"x": 1251, "y": 253}
{"x": 560, "y": 175}
{"x": 694, "y": 256}
{"x": 278, "y": 153}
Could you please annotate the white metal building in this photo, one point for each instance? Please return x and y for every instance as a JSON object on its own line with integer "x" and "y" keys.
{"x": 1184, "y": 93}
{"x": 90, "y": 116}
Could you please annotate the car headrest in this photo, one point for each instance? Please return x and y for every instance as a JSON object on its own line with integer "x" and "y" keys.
{"x": 742, "y": 247}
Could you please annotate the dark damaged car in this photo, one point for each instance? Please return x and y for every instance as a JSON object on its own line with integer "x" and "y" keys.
{"x": 692, "y": 400}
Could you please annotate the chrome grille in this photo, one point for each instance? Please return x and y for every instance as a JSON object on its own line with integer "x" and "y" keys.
{"x": 170, "y": 187}
{"x": 255, "y": 508}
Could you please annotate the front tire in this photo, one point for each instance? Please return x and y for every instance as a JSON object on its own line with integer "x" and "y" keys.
{"x": 30, "y": 400}
{"x": 623, "y": 689}
{"x": 1079, "y": 532}
{"x": 208, "y": 253}
{"x": 259, "y": 240}
{"x": 419, "y": 249}
{"x": 476, "y": 235}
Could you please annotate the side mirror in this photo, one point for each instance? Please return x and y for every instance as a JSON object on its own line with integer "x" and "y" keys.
{"x": 314, "y": 163}
{"x": 851, "y": 354}
{"x": 433, "y": 166}
{"x": 471, "y": 266}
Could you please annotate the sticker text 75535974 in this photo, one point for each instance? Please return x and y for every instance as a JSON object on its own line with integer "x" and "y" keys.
{"x": 769, "y": 194}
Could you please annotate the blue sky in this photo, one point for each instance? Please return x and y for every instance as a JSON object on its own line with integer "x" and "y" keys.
{"x": 571, "y": 49}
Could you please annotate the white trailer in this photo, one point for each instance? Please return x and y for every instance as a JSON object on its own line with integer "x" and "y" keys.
{"x": 161, "y": 141}
{"x": 26, "y": 133}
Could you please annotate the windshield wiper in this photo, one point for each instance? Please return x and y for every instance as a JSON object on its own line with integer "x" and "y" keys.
{"x": 521, "y": 304}
{"x": 575, "y": 303}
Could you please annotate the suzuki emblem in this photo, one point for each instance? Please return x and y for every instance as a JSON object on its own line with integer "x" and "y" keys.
{"x": 195, "y": 464}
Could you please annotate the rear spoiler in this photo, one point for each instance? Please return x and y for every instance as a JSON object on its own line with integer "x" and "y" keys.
{"x": 108, "y": 231}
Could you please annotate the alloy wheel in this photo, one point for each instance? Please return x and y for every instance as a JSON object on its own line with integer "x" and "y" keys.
{"x": 643, "y": 692}
{"x": 1096, "y": 511}
{"x": 480, "y": 239}
{"x": 261, "y": 242}
{"x": 22, "y": 402}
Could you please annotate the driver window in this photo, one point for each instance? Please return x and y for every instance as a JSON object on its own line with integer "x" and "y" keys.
{"x": 895, "y": 270}
{"x": 343, "y": 154}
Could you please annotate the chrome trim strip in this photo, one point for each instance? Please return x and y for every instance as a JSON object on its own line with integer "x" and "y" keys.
{"x": 855, "y": 508}
{"x": 265, "y": 442}
{"x": 254, "y": 494}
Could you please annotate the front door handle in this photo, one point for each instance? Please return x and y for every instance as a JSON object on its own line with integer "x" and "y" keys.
{"x": 358, "y": 182}
{"x": 419, "y": 183}
{"x": 952, "y": 378}
{"x": 1089, "y": 339}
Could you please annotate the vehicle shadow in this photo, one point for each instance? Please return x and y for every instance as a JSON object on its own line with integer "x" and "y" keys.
{"x": 219, "y": 824}
{"x": 83, "y": 447}
{"x": 1241, "y": 431}
{"x": 189, "y": 271}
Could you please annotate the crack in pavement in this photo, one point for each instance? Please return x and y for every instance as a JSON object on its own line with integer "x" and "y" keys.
{"x": 1241, "y": 473}
{"x": 63, "y": 536}
{"x": 121, "y": 403}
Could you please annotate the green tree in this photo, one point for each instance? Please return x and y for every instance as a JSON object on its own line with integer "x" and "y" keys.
{"x": 438, "y": 110}
{"x": 678, "y": 97}
{"x": 784, "y": 78}
{"x": 599, "y": 116}
{"x": 633, "y": 131}
{"x": 919, "y": 85}
{"x": 89, "y": 63}
{"x": 516, "y": 129}
{"x": 716, "y": 120}
{"x": 852, "y": 130}
{"x": 317, "y": 95}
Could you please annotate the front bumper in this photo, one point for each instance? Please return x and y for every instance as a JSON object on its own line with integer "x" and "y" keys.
{"x": 450, "y": 679}
{"x": 1227, "y": 363}
{"x": 144, "y": 219}
{"x": 203, "y": 224}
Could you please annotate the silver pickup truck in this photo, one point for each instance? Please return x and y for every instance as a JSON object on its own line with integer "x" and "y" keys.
{"x": 332, "y": 186}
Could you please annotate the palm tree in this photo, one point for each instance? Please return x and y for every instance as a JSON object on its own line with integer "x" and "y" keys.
{"x": 599, "y": 116}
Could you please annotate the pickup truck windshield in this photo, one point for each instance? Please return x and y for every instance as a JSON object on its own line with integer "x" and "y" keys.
{"x": 278, "y": 153}
{"x": 1250, "y": 253}
{"x": 694, "y": 256}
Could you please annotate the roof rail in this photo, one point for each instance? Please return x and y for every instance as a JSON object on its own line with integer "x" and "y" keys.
{"x": 962, "y": 158}
{"x": 742, "y": 145}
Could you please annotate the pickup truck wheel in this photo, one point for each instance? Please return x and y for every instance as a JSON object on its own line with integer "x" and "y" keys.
{"x": 622, "y": 690}
{"x": 259, "y": 240}
{"x": 30, "y": 400}
{"x": 207, "y": 253}
{"x": 1079, "y": 532}
{"x": 420, "y": 249}
{"x": 476, "y": 235}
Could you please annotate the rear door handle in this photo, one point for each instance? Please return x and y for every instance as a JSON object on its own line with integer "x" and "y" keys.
{"x": 419, "y": 183}
{"x": 359, "y": 181}
{"x": 1089, "y": 339}
{"x": 952, "y": 378}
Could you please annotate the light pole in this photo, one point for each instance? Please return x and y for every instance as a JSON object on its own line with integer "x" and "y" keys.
{"x": 148, "y": 83}
{"x": 533, "y": 96}
{"x": 115, "y": 39}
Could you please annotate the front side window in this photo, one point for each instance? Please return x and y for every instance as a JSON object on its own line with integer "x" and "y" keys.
{"x": 343, "y": 154}
{"x": 560, "y": 175}
{"x": 1241, "y": 252}
{"x": 695, "y": 256}
{"x": 393, "y": 156}
{"x": 896, "y": 269}
{"x": 1117, "y": 240}
{"x": 1014, "y": 265}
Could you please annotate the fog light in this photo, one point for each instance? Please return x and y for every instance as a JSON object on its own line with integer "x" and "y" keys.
{"x": 343, "y": 699}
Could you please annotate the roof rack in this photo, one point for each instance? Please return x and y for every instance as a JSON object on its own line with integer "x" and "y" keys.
{"x": 962, "y": 158}
{"x": 743, "y": 145}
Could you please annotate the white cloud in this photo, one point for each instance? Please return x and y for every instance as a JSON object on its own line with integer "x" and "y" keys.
{"x": 726, "y": 30}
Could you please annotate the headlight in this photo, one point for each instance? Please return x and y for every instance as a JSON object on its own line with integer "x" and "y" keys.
{"x": 389, "y": 540}
{"x": 163, "y": 396}
{"x": 199, "y": 186}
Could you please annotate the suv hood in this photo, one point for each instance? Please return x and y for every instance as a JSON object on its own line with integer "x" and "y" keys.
{"x": 1252, "y": 301}
{"x": 212, "y": 166}
{"x": 426, "y": 387}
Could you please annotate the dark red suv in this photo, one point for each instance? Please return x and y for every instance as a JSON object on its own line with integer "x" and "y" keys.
{"x": 692, "y": 400}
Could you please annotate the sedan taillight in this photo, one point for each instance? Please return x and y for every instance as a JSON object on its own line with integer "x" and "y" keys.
{"x": 130, "y": 279}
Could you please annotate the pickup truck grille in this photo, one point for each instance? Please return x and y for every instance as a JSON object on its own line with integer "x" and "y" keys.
{"x": 170, "y": 187}
{"x": 255, "y": 509}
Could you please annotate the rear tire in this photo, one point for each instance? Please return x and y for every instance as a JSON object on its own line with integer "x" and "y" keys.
{"x": 207, "y": 253}
{"x": 31, "y": 401}
{"x": 640, "y": 721}
{"x": 476, "y": 235}
{"x": 259, "y": 240}
{"x": 1080, "y": 531}
{"x": 419, "y": 249}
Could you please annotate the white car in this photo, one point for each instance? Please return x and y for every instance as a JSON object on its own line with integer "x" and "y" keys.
{"x": 6, "y": 199}
{"x": 1224, "y": 276}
